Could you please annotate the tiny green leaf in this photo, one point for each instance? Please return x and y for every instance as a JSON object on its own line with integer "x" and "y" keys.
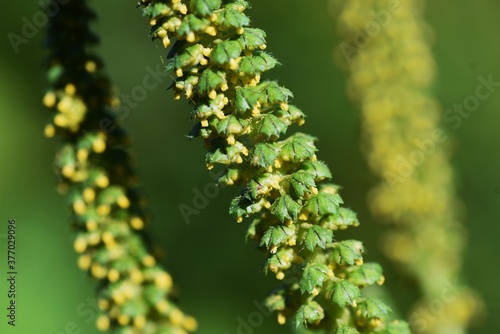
{"x": 229, "y": 18}
{"x": 291, "y": 115}
{"x": 272, "y": 93}
{"x": 192, "y": 24}
{"x": 276, "y": 235}
{"x": 301, "y": 182}
{"x": 252, "y": 190}
{"x": 276, "y": 301}
{"x": 253, "y": 38}
{"x": 284, "y": 207}
{"x": 157, "y": 9}
{"x": 204, "y": 111}
{"x": 324, "y": 204}
{"x": 234, "y": 152}
{"x": 345, "y": 293}
{"x": 217, "y": 157}
{"x": 264, "y": 154}
{"x": 235, "y": 208}
{"x": 204, "y": 7}
{"x": 256, "y": 64}
{"x": 298, "y": 148}
{"x": 347, "y": 252}
{"x": 271, "y": 126}
{"x": 345, "y": 217}
{"x": 231, "y": 125}
{"x": 372, "y": 308}
{"x": 211, "y": 80}
{"x": 223, "y": 53}
{"x": 262, "y": 185}
{"x": 310, "y": 313}
{"x": 342, "y": 220}
{"x": 317, "y": 168}
{"x": 246, "y": 98}
{"x": 366, "y": 274}
{"x": 314, "y": 275}
{"x": 317, "y": 236}
{"x": 190, "y": 56}
{"x": 229, "y": 176}
{"x": 280, "y": 261}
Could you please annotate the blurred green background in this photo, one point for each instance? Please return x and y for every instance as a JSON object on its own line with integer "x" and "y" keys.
{"x": 219, "y": 276}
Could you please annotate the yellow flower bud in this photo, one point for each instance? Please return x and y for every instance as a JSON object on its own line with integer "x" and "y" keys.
{"x": 102, "y": 181}
{"x": 211, "y": 30}
{"x": 176, "y": 317}
{"x": 98, "y": 271}
{"x": 139, "y": 321}
{"x": 84, "y": 262}
{"x": 281, "y": 319}
{"x": 70, "y": 89}
{"x": 113, "y": 275}
{"x": 191, "y": 37}
{"x": 123, "y": 202}
{"x": 89, "y": 195}
{"x": 103, "y": 323}
{"x": 90, "y": 66}
{"x": 123, "y": 319}
{"x": 80, "y": 244}
{"x": 190, "y": 324}
{"x": 136, "y": 276}
{"x": 148, "y": 261}
{"x": 49, "y": 131}
{"x": 49, "y": 99}
{"x": 79, "y": 207}
{"x": 163, "y": 280}
{"x": 137, "y": 223}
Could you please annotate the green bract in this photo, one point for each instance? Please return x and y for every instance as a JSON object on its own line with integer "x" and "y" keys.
{"x": 284, "y": 207}
{"x": 366, "y": 274}
{"x": 317, "y": 236}
{"x": 345, "y": 293}
{"x": 313, "y": 276}
{"x": 372, "y": 308}
{"x": 218, "y": 62}
{"x": 310, "y": 313}
{"x": 276, "y": 235}
{"x": 347, "y": 252}
{"x": 204, "y": 7}
{"x": 223, "y": 53}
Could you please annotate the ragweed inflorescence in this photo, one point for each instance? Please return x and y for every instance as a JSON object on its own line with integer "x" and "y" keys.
{"x": 101, "y": 187}
{"x": 391, "y": 72}
{"x": 218, "y": 61}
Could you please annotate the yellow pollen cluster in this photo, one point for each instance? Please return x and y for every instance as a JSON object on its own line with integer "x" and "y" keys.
{"x": 390, "y": 78}
{"x": 95, "y": 174}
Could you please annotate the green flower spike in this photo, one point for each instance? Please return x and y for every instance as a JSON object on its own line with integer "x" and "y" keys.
{"x": 100, "y": 186}
{"x": 391, "y": 77}
{"x": 218, "y": 61}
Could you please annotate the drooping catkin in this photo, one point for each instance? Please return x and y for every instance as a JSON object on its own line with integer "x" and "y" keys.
{"x": 218, "y": 61}
{"x": 385, "y": 49}
{"x": 98, "y": 180}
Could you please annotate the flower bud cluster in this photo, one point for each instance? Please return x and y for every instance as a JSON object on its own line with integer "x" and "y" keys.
{"x": 218, "y": 61}
{"x": 96, "y": 174}
{"x": 391, "y": 73}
